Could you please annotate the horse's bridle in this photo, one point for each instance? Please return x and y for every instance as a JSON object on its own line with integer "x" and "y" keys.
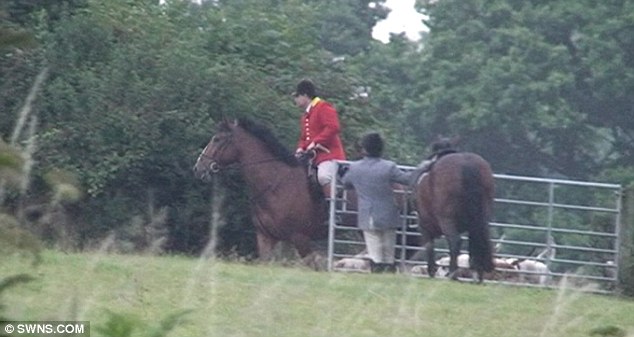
{"x": 214, "y": 167}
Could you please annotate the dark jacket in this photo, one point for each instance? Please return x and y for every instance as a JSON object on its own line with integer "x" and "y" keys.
{"x": 373, "y": 180}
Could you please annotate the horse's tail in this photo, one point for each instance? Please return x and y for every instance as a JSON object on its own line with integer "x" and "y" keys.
{"x": 476, "y": 219}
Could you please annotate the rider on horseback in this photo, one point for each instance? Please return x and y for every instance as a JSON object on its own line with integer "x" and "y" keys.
{"x": 319, "y": 133}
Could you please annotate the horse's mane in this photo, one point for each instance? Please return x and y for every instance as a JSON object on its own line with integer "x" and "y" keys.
{"x": 266, "y": 136}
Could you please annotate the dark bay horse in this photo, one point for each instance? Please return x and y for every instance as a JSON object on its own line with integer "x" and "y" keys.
{"x": 284, "y": 206}
{"x": 456, "y": 196}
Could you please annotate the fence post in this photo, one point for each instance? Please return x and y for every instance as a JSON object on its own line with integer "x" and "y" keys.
{"x": 626, "y": 239}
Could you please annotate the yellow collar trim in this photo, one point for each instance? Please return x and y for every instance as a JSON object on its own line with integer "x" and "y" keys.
{"x": 314, "y": 101}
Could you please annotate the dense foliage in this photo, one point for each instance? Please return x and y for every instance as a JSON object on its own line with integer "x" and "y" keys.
{"x": 531, "y": 77}
{"x": 131, "y": 90}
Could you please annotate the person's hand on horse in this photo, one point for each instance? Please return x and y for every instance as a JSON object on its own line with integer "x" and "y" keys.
{"x": 305, "y": 156}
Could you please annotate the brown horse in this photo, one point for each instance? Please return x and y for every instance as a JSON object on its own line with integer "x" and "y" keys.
{"x": 456, "y": 196}
{"x": 284, "y": 206}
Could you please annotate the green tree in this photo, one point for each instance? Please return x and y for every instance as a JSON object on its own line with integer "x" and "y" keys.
{"x": 345, "y": 27}
{"x": 135, "y": 89}
{"x": 387, "y": 85}
{"x": 22, "y": 12}
{"x": 508, "y": 76}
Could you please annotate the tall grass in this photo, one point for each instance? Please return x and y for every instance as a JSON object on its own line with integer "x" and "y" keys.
{"x": 235, "y": 299}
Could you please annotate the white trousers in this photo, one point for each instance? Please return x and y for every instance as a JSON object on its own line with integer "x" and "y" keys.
{"x": 326, "y": 170}
{"x": 380, "y": 244}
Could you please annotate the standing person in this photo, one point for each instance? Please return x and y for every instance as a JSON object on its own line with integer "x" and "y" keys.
{"x": 320, "y": 131}
{"x": 373, "y": 178}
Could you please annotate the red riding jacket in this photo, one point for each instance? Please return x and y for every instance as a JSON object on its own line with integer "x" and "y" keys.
{"x": 320, "y": 126}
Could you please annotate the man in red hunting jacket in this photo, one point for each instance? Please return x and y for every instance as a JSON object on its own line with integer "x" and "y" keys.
{"x": 320, "y": 131}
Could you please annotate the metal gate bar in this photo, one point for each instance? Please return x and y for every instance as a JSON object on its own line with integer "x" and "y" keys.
{"x": 589, "y": 257}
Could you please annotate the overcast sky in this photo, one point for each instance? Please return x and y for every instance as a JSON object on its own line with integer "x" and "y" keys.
{"x": 402, "y": 18}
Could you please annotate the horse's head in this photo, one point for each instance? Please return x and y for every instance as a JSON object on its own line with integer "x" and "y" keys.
{"x": 220, "y": 152}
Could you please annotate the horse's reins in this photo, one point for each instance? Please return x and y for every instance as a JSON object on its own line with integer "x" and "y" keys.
{"x": 215, "y": 167}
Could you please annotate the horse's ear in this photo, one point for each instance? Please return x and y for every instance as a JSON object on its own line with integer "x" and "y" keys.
{"x": 225, "y": 124}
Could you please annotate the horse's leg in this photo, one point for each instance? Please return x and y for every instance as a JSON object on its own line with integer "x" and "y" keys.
{"x": 454, "y": 242}
{"x": 310, "y": 258}
{"x": 266, "y": 244}
{"x": 302, "y": 243}
{"x": 427, "y": 242}
{"x": 432, "y": 267}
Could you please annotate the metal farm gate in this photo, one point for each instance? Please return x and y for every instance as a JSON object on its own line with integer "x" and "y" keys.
{"x": 571, "y": 228}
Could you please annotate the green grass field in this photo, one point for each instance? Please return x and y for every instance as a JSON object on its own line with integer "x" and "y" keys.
{"x": 235, "y": 299}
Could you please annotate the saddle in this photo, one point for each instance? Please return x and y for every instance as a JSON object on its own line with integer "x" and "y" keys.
{"x": 307, "y": 158}
{"x": 427, "y": 164}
